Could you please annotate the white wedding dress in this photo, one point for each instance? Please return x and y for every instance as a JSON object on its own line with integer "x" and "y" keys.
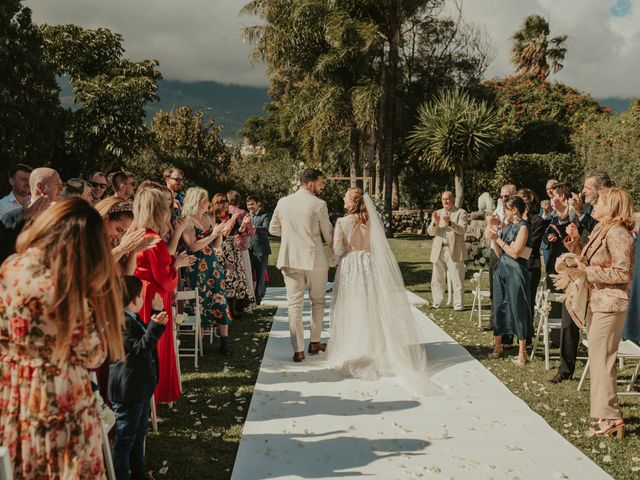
{"x": 373, "y": 330}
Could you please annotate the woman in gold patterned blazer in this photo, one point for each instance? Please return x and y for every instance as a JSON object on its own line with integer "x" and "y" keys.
{"x": 607, "y": 260}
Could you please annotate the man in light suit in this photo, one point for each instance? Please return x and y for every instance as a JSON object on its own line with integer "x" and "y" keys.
{"x": 449, "y": 251}
{"x": 300, "y": 219}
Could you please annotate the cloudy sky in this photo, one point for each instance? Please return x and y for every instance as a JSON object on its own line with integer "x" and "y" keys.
{"x": 201, "y": 39}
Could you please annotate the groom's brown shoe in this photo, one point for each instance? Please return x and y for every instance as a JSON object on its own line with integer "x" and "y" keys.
{"x": 298, "y": 357}
{"x": 316, "y": 347}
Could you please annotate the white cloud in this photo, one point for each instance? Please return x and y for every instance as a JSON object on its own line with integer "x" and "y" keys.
{"x": 603, "y": 50}
{"x": 201, "y": 40}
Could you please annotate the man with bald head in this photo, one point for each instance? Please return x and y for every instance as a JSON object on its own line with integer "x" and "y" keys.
{"x": 448, "y": 252}
{"x": 45, "y": 182}
{"x": 46, "y": 186}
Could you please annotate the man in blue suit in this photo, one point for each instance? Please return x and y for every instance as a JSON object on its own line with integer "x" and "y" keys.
{"x": 259, "y": 247}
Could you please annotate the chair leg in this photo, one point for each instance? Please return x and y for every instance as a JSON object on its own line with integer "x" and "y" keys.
{"x": 154, "y": 414}
{"x": 583, "y": 377}
{"x": 473, "y": 306}
{"x": 106, "y": 453}
{"x": 547, "y": 364}
{"x": 634, "y": 377}
{"x": 479, "y": 309}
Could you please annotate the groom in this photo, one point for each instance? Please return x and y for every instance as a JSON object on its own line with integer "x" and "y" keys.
{"x": 299, "y": 219}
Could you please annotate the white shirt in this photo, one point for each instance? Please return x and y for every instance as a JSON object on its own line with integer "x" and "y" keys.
{"x": 8, "y": 203}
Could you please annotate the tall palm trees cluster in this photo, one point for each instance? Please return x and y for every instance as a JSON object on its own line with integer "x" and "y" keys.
{"x": 348, "y": 79}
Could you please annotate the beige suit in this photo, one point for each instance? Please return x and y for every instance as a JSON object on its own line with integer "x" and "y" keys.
{"x": 609, "y": 258}
{"x": 302, "y": 220}
{"x": 448, "y": 254}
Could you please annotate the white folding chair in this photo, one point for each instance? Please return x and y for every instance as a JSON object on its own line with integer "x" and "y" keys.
{"x": 106, "y": 447}
{"x": 478, "y": 296}
{"x": 154, "y": 414}
{"x": 627, "y": 350}
{"x": 192, "y": 326}
{"x": 545, "y": 325}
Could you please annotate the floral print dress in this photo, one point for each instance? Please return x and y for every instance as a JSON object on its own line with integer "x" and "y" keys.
{"x": 207, "y": 276}
{"x": 231, "y": 259}
{"x": 48, "y": 416}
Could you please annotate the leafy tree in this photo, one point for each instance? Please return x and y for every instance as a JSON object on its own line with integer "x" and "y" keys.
{"x": 533, "y": 53}
{"x": 111, "y": 92}
{"x": 453, "y": 133}
{"x": 537, "y": 116}
{"x": 182, "y": 139}
{"x": 29, "y": 103}
{"x": 612, "y": 144}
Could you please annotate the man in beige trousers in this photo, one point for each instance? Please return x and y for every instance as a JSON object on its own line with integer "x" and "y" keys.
{"x": 449, "y": 251}
{"x": 300, "y": 219}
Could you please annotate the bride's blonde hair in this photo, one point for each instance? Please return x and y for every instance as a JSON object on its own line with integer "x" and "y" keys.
{"x": 359, "y": 209}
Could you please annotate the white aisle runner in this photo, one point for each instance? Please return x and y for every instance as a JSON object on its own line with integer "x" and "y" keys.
{"x": 306, "y": 421}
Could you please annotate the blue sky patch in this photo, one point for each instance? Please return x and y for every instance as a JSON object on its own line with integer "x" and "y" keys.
{"x": 621, "y": 8}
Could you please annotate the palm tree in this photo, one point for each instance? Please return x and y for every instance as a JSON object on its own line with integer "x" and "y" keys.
{"x": 453, "y": 133}
{"x": 533, "y": 53}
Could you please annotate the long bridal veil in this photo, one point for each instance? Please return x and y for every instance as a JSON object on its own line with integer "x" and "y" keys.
{"x": 373, "y": 329}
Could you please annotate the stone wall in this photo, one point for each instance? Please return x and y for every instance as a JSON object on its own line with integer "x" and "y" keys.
{"x": 410, "y": 221}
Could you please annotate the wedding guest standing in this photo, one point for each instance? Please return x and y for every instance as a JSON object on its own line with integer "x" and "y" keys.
{"x": 60, "y": 314}
{"x": 449, "y": 252}
{"x": 133, "y": 380}
{"x": 510, "y": 305}
{"x": 77, "y": 187}
{"x": 607, "y": 260}
{"x": 206, "y": 275}
{"x": 585, "y": 222}
{"x": 229, "y": 254}
{"x": 241, "y": 241}
{"x": 259, "y": 247}
{"x": 538, "y": 226}
{"x": 498, "y": 219}
{"x": 158, "y": 270}
{"x": 19, "y": 194}
{"x": 98, "y": 182}
{"x": 124, "y": 185}
{"x": 174, "y": 180}
{"x": 546, "y": 213}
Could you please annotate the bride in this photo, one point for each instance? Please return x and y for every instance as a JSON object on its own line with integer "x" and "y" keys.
{"x": 373, "y": 330}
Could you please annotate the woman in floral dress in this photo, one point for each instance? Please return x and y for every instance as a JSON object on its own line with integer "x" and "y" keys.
{"x": 207, "y": 274}
{"x": 228, "y": 251}
{"x": 59, "y": 316}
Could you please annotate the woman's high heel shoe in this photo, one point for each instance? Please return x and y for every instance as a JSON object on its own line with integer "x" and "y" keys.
{"x": 608, "y": 428}
{"x": 520, "y": 361}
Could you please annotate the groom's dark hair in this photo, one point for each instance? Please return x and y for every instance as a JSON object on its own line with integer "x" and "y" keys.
{"x": 310, "y": 175}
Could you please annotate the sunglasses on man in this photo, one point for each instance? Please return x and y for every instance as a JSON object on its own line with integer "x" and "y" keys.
{"x": 98, "y": 185}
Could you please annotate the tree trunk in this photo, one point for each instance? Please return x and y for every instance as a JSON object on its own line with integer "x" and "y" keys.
{"x": 354, "y": 157}
{"x": 390, "y": 82}
{"x": 459, "y": 185}
{"x": 370, "y": 159}
{"x": 395, "y": 193}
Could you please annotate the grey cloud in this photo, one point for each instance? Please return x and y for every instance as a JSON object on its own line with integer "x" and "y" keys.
{"x": 192, "y": 40}
{"x": 201, "y": 40}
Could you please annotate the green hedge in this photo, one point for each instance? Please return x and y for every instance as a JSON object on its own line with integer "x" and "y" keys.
{"x": 532, "y": 170}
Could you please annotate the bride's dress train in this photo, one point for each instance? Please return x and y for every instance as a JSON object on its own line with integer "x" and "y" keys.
{"x": 373, "y": 331}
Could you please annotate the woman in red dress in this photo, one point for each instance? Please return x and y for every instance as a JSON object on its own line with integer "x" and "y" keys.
{"x": 158, "y": 270}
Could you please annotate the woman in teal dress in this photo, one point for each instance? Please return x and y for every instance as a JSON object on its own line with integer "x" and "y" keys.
{"x": 206, "y": 275}
{"x": 511, "y": 303}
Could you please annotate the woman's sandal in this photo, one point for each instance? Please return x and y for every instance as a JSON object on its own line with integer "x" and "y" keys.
{"x": 496, "y": 354}
{"x": 608, "y": 428}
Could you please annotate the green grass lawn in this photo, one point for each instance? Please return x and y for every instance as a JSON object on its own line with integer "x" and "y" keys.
{"x": 199, "y": 436}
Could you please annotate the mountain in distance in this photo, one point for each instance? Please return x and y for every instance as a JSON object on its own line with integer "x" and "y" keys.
{"x": 616, "y": 104}
{"x": 227, "y": 105}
